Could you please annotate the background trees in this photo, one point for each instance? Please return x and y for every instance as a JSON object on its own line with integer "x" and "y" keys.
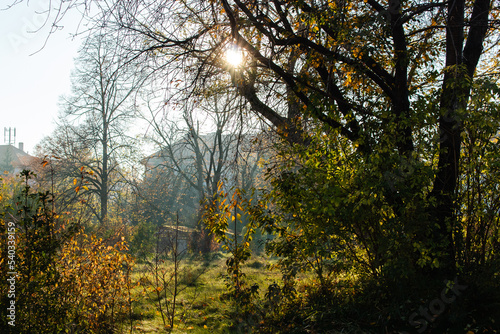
{"x": 199, "y": 153}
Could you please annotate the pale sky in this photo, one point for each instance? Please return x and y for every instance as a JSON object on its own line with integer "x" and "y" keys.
{"x": 30, "y": 85}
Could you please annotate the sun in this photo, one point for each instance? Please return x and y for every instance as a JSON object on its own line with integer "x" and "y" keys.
{"x": 234, "y": 56}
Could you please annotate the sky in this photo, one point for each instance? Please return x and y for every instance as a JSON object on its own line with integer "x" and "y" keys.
{"x": 33, "y": 76}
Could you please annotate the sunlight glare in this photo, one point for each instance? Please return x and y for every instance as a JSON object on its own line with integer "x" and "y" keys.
{"x": 234, "y": 56}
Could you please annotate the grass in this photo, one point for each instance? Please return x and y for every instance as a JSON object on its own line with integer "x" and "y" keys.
{"x": 199, "y": 308}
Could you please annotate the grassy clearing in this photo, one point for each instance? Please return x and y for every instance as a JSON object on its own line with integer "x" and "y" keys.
{"x": 199, "y": 308}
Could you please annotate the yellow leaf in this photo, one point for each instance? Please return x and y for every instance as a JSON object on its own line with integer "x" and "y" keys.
{"x": 85, "y": 187}
{"x": 77, "y": 189}
{"x": 75, "y": 181}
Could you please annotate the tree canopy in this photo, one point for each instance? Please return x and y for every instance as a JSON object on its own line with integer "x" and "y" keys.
{"x": 393, "y": 78}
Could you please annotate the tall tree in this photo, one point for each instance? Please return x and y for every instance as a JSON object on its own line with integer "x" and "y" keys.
{"x": 369, "y": 71}
{"x": 100, "y": 108}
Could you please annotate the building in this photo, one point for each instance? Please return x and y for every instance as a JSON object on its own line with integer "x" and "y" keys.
{"x": 13, "y": 159}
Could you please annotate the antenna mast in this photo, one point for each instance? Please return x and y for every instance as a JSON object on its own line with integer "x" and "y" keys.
{"x": 11, "y": 141}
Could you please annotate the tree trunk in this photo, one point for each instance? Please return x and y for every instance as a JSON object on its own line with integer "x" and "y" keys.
{"x": 104, "y": 179}
{"x": 460, "y": 67}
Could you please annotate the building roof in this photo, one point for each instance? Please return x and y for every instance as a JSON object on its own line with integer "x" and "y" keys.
{"x": 13, "y": 159}
{"x": 182, "y": 150}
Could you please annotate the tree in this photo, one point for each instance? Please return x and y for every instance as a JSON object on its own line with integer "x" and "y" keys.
{"x": 61, "y": 156}
{"x": 369, "y": 71}
{"x": 340, "y": 53}
{"x": 98, "y": 111}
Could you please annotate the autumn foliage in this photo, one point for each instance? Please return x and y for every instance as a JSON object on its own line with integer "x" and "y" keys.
{"x": 66, "y": 279}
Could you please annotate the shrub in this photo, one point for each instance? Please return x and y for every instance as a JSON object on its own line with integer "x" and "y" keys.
{"x": 65, "y": 279}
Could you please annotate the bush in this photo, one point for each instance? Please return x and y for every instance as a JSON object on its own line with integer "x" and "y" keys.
{"x": 65, "y": 279}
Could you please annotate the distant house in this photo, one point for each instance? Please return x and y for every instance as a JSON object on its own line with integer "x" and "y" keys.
{"x": 211, "y": 152}
{"x": 14, "y": 160}
{"x": 186, "y": 151}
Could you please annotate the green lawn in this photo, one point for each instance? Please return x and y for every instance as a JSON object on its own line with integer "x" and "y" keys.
{"x": 199, "y": 308}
